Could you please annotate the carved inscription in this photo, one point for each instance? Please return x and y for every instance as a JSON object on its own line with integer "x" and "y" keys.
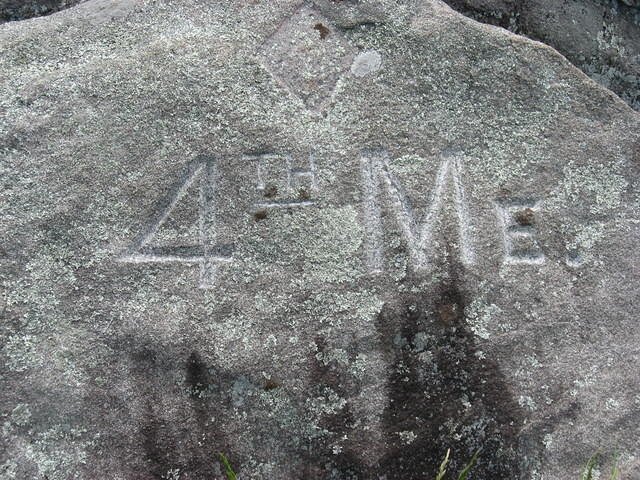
{"x": 307, "y": 56}
{"x": 417, "y": 236}
{"x": 205, "y": 252}
{"x": 290, "y": 181}
{"x": 284, "y": 182}
{"x": 517, "y": 219}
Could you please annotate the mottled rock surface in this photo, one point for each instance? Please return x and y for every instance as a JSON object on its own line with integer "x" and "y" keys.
{"x": 329, "y": 239}
{"x": 601, "y": 37}
{"x": 12, "y": 10}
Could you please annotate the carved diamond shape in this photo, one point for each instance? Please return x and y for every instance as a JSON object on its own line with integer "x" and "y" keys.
{"x": 307, "y": 56}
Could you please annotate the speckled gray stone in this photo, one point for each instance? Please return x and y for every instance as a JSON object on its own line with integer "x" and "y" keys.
{"x": 601, "y": 37}
{"x": 328, "y": 239}
{"x": 12, "y": 10}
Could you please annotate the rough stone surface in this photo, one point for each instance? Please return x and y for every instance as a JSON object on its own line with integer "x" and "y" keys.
{"x": 329, "y": 239}
{"x": 601, "y": 37}
{"x": 12, "y": 10}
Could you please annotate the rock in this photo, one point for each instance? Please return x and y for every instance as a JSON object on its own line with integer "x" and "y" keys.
{"x": 330, "y": 240}
{"x": 601, "y": 37}
{"x": 11, "y": 10}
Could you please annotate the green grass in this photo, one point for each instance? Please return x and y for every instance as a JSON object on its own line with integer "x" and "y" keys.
{"x": 443, "y": 467}
{"x": 465, "y": 471}
{"x": 587, "y": 474}
{"x": 227, "y": 466}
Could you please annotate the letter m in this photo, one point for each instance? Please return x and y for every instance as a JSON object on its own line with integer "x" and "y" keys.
{"x": 418, "y": 236}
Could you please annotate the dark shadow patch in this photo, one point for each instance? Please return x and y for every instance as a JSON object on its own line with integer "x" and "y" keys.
{"x": 205, "y": 406}
{"x": 197, "y": 377}
{"x": 151, "y": 436}
{"x": 14, "y": 10}
{"x": 175, "y": 426}
{"x": 443, "y": 393}
{"x": 573, "y": 37}
{"x": 144, "y": 366}
{"x": 320, "y": 462}
{"x": 499, "y": 17}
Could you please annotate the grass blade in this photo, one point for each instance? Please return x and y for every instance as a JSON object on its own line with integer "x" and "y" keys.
{"x": 443, "y": 465}
{"x": 615, "y": 473}
{"x": 588, "y": 469}
{"x": 465, "y": 471}
{"x": 229, "y": 471}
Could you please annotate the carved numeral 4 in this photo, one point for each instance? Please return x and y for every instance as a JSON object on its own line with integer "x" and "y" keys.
{"x": 200, "y": 174}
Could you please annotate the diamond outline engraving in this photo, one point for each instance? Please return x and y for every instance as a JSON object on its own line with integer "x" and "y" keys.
{"x": 307, "y": 56}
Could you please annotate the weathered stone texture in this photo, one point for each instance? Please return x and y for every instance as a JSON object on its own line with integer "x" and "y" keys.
{"x": 12, "y": 10}
{"x": 601, "y": 37}
{"x": 329, "y": 239}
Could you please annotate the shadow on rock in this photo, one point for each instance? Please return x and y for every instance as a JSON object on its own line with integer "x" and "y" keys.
{"x": 443, "y": 392}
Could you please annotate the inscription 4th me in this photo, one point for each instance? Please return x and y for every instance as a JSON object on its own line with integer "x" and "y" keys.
{"x": 298, "y": 188}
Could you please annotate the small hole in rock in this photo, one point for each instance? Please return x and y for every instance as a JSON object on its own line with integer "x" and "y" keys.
{"x": 271, "y": 191}
{"x": 525, "y": 217}
{"x": 324, "y": 31}
{"x": 304, "y": 194}
{"x": 270, "y": 385}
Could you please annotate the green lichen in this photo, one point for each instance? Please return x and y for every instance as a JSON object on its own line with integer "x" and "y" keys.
{"x": 596, "y": 184}
{"x": 481, "y": 317}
